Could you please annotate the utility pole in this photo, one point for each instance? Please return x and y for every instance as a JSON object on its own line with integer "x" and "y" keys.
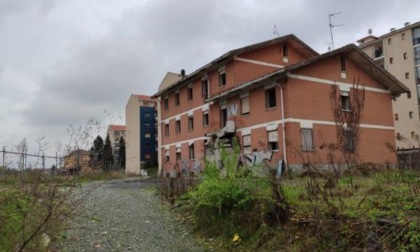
{"x": 331, "y": 28}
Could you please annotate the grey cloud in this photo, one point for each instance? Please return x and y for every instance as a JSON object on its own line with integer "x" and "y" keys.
{"x": 154, "y": 37}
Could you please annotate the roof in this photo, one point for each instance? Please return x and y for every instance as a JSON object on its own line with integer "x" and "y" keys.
{"x": 169, "y": 79}
{"x": 145, "y": 97}
{"x": 292, "y": 39}
{"x": 117, "y": 127}
{"x": 351, "y": 51}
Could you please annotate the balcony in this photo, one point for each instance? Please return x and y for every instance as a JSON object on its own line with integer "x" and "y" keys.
{"x": 416, "y": 41}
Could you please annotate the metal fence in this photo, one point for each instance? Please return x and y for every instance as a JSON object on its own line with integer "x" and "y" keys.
{"x": 409, "y": 158}
{"x": 24, "y": 160}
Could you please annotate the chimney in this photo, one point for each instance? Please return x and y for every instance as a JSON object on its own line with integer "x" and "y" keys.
{"x": 182, "y": 73}
{"x": 407, "y": 23}
{"x": 393, "y": 29}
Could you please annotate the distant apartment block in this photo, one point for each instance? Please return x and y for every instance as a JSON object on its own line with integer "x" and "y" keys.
{"x": 115, "y": 133}
{"x": 275, "y": 96}
{"x": 399, "y": 53}
{"x": 141, "y": 138}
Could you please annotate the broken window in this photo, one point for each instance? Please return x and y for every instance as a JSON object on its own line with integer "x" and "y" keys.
{"x": 273, "y": 140}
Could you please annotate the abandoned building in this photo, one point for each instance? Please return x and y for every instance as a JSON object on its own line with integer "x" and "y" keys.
{"x": 278, "y": 97}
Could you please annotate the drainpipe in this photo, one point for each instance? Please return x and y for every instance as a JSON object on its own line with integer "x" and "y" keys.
{"x": 283, "y": 124}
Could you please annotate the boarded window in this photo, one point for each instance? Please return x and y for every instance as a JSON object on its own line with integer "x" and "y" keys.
{"x": 307, "y": 141}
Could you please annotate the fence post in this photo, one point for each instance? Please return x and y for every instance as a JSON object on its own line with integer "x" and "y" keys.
{"x": 4, "y": 156}
{"x": 43, "y": 160}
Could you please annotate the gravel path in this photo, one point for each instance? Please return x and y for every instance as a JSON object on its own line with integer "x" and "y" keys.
{"x": 126, "y": 215}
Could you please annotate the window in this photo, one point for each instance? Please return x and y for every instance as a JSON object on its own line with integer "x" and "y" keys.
{"x": 147, "y": 114}
{"x": 177, "y": 99}
{"x": 178, "y": 126}
{"x": 417, "y": 55}
{"x": 273, "y": 140}
{"x": 191, "y": 151}
{"x": 396, "y": 117}
{"x": 403, "y": 36}
{"x": 399, "y": 138}
{"x": 408, "y": 95}
{"x": 349, "y": 144}
{"x": 270, "y": 98}
{"x": 166, "y": 130}
{"x": 345, "y": 101}
{"x": 147, "y": 135}
{"x": 407, "y": 75}
{"x": 222, "y": 77}
{"x": 178, "y": 155}
{"x": 307, "y": 139}
{"x": 405, "y": 55}
{"x": 244, "y": 104}
{"x": 416, "y": 36}
{"x": 410, "y": 114}
{"x": 343, "y": 63}
{"x": 147, "y": 145}
{"x": 389, "y": 41}
{"x": 205, "y": 119}
{"x": 285, "y": 51}
{"x": 190, "y": 123}
{"x": 246, "y": 143}
{"x": 166, "y": 103}
{"x": 391, "y": 60}
{"x": 204, "y": 89}
{"x": 223, "y": 117}
{"x": 189, "y": 93}
{"x": 147, "y": 125}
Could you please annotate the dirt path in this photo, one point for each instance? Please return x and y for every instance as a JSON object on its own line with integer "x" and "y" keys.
{"x": 125, "y": 215}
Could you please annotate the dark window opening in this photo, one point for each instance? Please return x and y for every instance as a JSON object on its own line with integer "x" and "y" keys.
{"x": 204, "y": 89}
{"x": 206, "y": 120}
{"x": 270, "y": 98}
{"x": 189, "y": 93}
{"x": 343, "y": 63}
{"x": 177, "y": 99}
{"x": 349, "y": 142}
{"x": 191, "y": 151}
{"x": 166, "y": 103}
{"x": 178, "y": 127}
{"x": 190, "y": 123}
{"x": 222, "y": 78}
{"x": 223, "y": 117}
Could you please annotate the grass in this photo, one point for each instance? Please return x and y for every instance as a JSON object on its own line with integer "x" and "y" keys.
{"x": 34, "y": 207}
{"x": 366, "y": 212}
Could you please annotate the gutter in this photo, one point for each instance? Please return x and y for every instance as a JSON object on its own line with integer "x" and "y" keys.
{"x": 283, "y": 124}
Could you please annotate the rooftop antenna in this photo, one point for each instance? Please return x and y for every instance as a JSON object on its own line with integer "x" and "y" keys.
{"x": 275, "y": 31}
{"x": 332, "y": 26}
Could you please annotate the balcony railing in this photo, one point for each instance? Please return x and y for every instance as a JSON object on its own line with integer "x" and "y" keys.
{"x": 416, "y": 41}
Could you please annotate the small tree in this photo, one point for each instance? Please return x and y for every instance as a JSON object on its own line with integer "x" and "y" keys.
{"x": 108, "y": 158}
{"x": 121, "y": 153}
{"x": 97, "y": 152}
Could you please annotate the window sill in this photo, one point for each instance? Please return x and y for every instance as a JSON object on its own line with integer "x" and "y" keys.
{"x": 190, "y": 130}
{"x": 245, "y": 115}
{"x": 267, "y": 109}
{"x": 346, "y": 110}
{"x": 308, "y": 150}
{"x": 205, "y": 126}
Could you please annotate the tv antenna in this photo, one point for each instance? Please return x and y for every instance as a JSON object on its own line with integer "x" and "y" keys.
{"x": 332, "y": 26}
{"x": 276, "y": 32}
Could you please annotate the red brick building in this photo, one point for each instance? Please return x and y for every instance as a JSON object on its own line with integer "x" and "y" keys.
{"x": 275, "y": 95}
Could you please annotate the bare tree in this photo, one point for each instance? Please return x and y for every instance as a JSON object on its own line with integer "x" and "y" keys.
{"x": 347, "y": 109}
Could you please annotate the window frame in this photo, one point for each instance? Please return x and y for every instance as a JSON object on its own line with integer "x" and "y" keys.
{"x": 177, "y": 126}
{"x": 270, "y": 98}
{"x": 177, "y": 99}
{"x": 305, "y": 144}
{"x": 190, "y": 93}
{"x": 190, "y": 123}
{"x": 222, "y": 77}
{"x": 206, "y": 119}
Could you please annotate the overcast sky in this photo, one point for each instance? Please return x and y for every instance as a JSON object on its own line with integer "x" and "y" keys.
{"x": 63, "y": 61}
